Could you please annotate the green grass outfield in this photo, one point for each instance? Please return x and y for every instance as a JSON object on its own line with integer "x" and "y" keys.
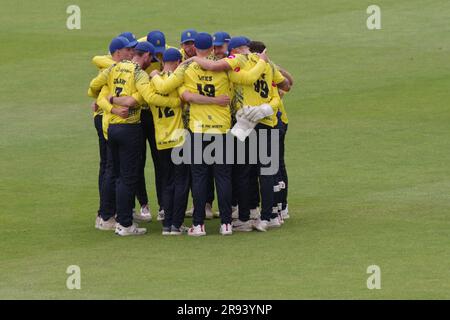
{"x": 368, "y": 155}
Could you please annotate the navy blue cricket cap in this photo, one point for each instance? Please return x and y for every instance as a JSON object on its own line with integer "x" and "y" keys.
{"x": 172, "y": 54}
{"x": 237, "y": 42}
{"x": 220, "y": 38}
{"x": 130, "y": 37}
{"x": 145, "y": 46}
{"x": 158, "y": 40}
{"x": 188, "y": 35}
{"x": 203, "y": 41}
{"x": 119, "y": 43}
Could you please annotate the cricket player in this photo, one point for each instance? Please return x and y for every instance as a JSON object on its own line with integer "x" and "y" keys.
{"x": 208, "y": 123}
{"x": 103, "y": 62}
{"x": 158, "y": 40}
{"x": 120, "y": 49}
{"x": 125, "y": 133}
{"x": 169, "y": 133}
{"x": 263, "y": 102}
{"x": 282, "y": 126}
{"x": 187, "y": 43}
{"x": 220, "y": 42}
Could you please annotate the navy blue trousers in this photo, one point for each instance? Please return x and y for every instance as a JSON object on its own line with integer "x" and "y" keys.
{"x": 201, "y": 172}
{"x": 125, "y": 145}
{"x": 266, "y": 181}
{"x": 148, "y": 131}
{"x": 103, "y": 153}
{"x": 283, "y": 172}
{"x": 175, "y": 183}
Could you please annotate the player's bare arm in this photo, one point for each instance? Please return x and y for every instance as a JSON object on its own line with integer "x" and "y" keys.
{"x": 222, "y": 100}
{"x": 121, "y": 111}
{"x": 287, "y": 75}
{"x": 125, "y": 101}
{"x": 284, "y": 85}
{"x": 210, "y": 65}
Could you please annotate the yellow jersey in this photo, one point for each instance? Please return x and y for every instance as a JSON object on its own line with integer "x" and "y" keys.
{"x": 208, "y": 118}
{"x": 154, "y": 65}
{"x": 174, "y": 81}
{"x": 284, "y": 116}
{"x": 183, "y": 54}
{"x": 102, "y": 63}
{"x": 121, "y": 79}
{"x": 168, "y": 122}
{"x": 263, "y": 90}
{"x": 126, "y": 79}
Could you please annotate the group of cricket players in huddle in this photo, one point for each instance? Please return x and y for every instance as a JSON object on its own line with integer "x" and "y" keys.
{"x": 213, "y": 115}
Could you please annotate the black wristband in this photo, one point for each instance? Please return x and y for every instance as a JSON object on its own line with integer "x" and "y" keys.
{"x": 111, "y": 100}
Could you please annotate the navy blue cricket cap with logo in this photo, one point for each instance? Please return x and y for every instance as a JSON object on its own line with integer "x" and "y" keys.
{"x": 145, "y": 46}
{"x": 220, "y": 38}
{"x": 119, "y": 43}
{"x": 172, "y": 54}
{"x": 158, "y": 40}
{"x": 203, "y": 41}
{"x": 188, "y": 35}
{"x": 237, "y": 42}
{"x": 130, "y": 37}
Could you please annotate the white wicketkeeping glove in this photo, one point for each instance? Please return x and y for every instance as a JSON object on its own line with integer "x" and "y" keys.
{"x": 243, "y": 126}
{"x": 259, "y": 112}
{"x": 247, "y": 112}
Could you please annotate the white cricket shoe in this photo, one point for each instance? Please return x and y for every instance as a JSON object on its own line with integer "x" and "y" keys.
{"x": 161, "y": 215}
{"x": 184, "y": 229}
{"x": 242, "y": 226}
{"x": 274, "y": 223}
{"x": 255, "y": 214}
{"x": 235, "y": 212}
{"x": 174, "y": 231}
{"x": 144, "y": 215}
{"x": 280, "y": 218}
{"x": 190, "y": 212}
{"x": 197, "y": 231}
{"x": 132, "y": 230}
{"x": 97, "y": 222}
{"x": 166, "y": 231}
{"x": 107, "y": 225}
{"x": 226, "y": 229}
{"x": 208, "y": 211}
{"x": 261, "y": 225}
